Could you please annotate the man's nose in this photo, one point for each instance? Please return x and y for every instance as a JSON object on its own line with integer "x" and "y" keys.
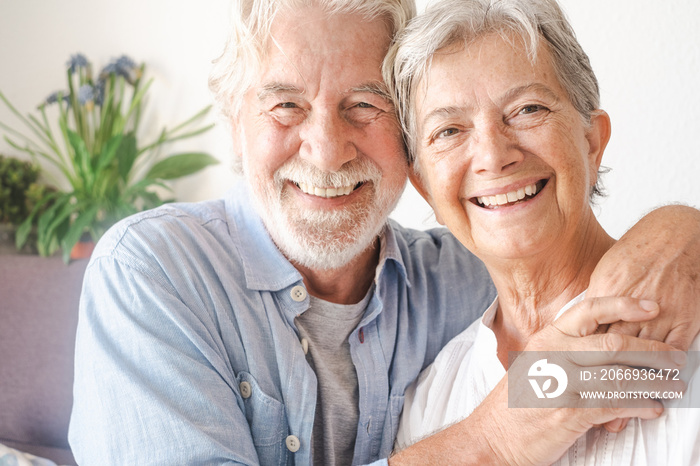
{"x": 326, "y": 141}
{"x": 494, "y": 149}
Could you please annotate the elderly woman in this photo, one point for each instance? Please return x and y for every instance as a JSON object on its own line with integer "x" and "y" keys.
{"x": 502, "y": 111}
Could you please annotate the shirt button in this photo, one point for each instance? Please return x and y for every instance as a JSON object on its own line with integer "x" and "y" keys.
{"x": 246, "y": 390}
{"x": 298, "y": 293}
{"x": 293, "y": 443}
{"x": 305, "y": 345}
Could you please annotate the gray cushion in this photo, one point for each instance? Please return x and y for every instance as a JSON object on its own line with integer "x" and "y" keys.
{"x": 38, "y": 317}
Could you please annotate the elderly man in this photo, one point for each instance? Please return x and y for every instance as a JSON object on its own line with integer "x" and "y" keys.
{"x": 282, "y": 324}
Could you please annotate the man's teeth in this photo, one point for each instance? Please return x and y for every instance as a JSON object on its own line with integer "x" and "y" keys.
{"x": 325, "y": 192}
{"x": 503, "y": 199}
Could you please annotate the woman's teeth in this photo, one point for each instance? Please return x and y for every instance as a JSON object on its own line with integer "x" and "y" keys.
{"x": 507, "y": 198}
{"x": 326, "y": 192}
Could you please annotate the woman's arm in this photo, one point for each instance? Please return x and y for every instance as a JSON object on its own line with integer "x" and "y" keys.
{"x": 494, "y": 433}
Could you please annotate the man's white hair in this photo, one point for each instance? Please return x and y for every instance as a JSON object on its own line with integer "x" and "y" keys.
{"x": 238, "y": 67}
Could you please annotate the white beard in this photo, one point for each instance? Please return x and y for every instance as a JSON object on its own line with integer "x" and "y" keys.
{"x": 323, "y": 239}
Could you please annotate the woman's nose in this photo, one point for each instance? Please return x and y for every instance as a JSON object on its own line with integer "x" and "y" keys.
{"x": 493, "y": 149}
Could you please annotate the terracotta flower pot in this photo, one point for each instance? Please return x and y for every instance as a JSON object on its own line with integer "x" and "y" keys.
{"x": 82, "y": 250}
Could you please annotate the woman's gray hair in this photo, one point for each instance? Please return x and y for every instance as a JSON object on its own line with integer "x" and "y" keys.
{"x": 237, "y": 68}
{"x": 449, "y": 22}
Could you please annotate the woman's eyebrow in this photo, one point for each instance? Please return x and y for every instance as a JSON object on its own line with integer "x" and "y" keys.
{"x": 441, "y": 113}
{"x": 532, "y": 87}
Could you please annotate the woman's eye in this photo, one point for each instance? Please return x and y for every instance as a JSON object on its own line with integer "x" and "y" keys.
{"x": 529, "y": 109}
{"x": 364, "y": 105}
{"x": 445, "y": 133}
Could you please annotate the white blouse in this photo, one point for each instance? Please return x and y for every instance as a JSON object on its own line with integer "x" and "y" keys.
{"x": 468, "y": 368}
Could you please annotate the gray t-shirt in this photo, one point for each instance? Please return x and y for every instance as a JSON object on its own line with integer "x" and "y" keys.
{"x": 326, "y": 328}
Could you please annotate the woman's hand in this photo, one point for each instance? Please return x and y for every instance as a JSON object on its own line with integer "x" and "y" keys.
{"x": 657, "y": 259}
{"x": 496, "y": 433}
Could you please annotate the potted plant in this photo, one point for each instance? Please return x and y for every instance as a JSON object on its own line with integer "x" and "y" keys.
{"x": 92, "y": 143}
{"x": 20, "y": 192}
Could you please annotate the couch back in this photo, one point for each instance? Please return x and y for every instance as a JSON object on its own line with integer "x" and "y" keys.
{"x": 38, "y": 318}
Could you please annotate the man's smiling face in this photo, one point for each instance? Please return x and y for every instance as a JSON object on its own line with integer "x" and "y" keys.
{"x": 321, "y": 146}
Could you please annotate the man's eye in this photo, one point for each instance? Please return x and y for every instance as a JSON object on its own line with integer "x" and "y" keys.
{"x": 287, "y": 105}
{"x": 364, "y": 105}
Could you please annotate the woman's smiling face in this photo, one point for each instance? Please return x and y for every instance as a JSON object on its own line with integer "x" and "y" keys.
{"x": 504, "y": 158}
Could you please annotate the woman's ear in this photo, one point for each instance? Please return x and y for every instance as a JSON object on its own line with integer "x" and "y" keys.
{"x": 598, "y": 136}
{"x": 418, "y": 183}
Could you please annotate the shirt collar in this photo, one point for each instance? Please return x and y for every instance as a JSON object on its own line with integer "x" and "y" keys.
{"x": 389, "y": 250}
{"x": 265, "y": 267}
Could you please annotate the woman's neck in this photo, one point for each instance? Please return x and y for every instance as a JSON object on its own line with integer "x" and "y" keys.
{"x": 532, "y": 290}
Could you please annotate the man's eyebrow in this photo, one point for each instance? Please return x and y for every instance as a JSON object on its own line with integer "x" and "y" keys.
{"x": 277, "y": 88}
{"x": 375, "y": 87}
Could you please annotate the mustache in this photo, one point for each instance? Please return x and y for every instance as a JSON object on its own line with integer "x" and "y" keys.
{"x": 350, "y": 174}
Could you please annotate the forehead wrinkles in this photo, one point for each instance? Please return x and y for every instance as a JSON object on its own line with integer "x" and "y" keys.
{"x": 533, "y": 72}
{"x": 325, "y": 31}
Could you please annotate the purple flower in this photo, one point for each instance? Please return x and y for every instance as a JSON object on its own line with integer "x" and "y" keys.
{"x": 107, "y": 70}
{"x": 77, "y": 61}
{"x": 53, "y": 98}
{"x": 125, "y": 64}
{"x": 99, "y": 92}
{"x": 86, "y": 94}
{"x": 122, "y": 66}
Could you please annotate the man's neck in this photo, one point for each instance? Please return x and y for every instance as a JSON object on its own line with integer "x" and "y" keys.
{"x": 346, "y": 285}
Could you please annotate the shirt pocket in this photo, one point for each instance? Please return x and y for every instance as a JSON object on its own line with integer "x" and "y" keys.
{"x": 267, "y": 421}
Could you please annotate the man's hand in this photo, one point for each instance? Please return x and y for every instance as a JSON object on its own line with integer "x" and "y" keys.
{"x": 495, "y": 433}
{"x": 658, "y": 259}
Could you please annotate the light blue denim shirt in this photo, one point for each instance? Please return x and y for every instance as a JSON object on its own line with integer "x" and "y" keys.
{"x": 187, "y": 352}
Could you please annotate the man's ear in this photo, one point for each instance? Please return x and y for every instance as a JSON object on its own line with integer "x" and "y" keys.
{"x": 235, "y": 130}
{"x": 598, "y": 136}
{"x": 418, "y": 183}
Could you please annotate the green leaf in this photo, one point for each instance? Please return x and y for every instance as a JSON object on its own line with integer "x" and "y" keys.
{"x": 22, "y": 232}
{"x": 82, "y": 156}
{"x": 180, "y": 165}
{"x": 126, "y": 155}
{"x": 76, "y": 230}
{"x": 25, "y": 228}
{"x": 109, "y": 151}
{"x": 136, "y": 189}
{"x": 52, "y": 222}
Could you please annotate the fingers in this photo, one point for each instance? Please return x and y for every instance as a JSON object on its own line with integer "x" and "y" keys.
{"x": 626, "y": 328}
{"x": 680, "y": 337}
{"x": 585, "y": 317}
{"x": 608, "y": 348}
{"x": 625, "y": 350}
{"x": 656, "y": 329}
{"x": 616, "y": 425}
{"x": 653, "y": 410}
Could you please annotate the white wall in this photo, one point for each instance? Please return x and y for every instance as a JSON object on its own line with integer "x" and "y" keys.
{"x": 646, "y": 55}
